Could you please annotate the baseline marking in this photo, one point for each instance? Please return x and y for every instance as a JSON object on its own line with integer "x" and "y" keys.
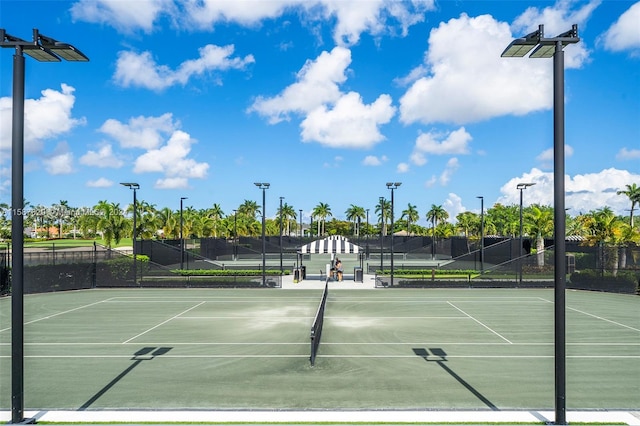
{"x": 163, "y": 322}
{"x": 604, "y": 319}
{"x": 59, "y": 313}
{"x": 482, "y": 324}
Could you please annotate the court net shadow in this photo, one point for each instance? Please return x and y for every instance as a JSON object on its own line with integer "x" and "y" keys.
{"x": 439, "y": 356}
{"x": 144, "y": 354}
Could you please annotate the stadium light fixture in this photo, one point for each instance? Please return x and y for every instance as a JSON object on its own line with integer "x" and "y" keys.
{"x": 546, "y": 48}
{"x": 41, "y": 49}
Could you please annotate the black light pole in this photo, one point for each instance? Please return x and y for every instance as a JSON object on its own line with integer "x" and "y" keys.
{"x": 301, "y": 235}
{"x": 181, "y": 236}
{"x": 392, "y": 186}
{"x": 281, "y": 198}
{"x": 43, "y": 49}
{"x": 381, "y": 233}
{"x": 235, "y": 235}
{"x": 134, "y": 187}
{"x": 367, "y": 236}
{"x": 264, "y": 186}
{"x": 481, "y": 234}
{"x": 521, "y": 187}
{"x": 547, "y": 48}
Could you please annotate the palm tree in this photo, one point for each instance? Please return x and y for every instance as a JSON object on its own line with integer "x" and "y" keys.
{"x": 540, "y": 225}
{"x": 466, "y": 222}
{"x": 633, "y": 192}
{"x": 356, "y": 214}
{"x": 411, "y": 215}
{"x": 112, "y": 222}
{"x": 436, "y": 215}
{"x": 249, "y": 208}
{"x": 383, "y": 209}
{"x": 287, "y": 215}
{"x": 215, "y": 213}
{"x": 321, "y": 212}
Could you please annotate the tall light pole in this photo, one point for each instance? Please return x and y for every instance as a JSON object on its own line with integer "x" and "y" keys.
{"x": 367, "y": 236}
{"x": 281, "y": 198}
{"x": 521, "y": 187}
{"x": 264, "y": 186}
{"x": 181, "y": 235}
{"x": 392, "y": 186}
{"x": 301, "y": 235}
{"x": 381, "y": 233}
{"x": 481, "y": 234}
{"x": 547, "y": 48}
{"x": 235, "y": 235}
{"x": 134, "y": 187}
{"x": 43, "y": 49}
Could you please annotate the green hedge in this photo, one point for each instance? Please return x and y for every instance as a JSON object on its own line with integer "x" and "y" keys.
{"x": 590, "y": 279}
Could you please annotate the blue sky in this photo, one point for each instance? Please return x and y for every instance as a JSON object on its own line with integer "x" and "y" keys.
{"x": 325, "y": 100}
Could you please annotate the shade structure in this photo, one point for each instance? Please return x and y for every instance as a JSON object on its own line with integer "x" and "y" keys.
{"x": 333, "y": 244}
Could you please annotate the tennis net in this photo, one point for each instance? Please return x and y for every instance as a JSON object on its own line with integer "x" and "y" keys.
{"x": 316, "y": 327}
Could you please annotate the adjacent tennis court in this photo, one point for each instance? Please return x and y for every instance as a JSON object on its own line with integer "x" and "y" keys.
{"x": 380, "y": 349}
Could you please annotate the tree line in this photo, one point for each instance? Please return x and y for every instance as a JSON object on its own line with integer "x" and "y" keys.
{"x": 111, "y": 222}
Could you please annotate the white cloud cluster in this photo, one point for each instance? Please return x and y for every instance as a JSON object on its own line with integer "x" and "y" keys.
{"x": 464, "y": 79}
{"x": 44, "y": 118}
{"x": 584, "y": 192}
{"x": 332, "y": 118}
{"x": 376, "y": 17}
{"x": 624, "y": 35}
{"x": 167, "y": 150}
{"x": 122, "y": 15}
{"x": 141, "y": 70}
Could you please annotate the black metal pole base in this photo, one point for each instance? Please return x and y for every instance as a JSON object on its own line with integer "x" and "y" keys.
{"x": 24, "y": 422}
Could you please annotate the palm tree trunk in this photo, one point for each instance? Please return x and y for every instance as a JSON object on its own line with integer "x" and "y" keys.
{"x": 540, "y": 250}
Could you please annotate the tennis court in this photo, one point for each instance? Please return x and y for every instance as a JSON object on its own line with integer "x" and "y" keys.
{"x": 380, "y": 349}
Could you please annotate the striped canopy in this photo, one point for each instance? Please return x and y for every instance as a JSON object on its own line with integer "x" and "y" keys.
{"x": 334, "y": 244}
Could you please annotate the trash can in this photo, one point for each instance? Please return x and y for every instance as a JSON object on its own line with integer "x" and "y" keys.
{"x": 296, "y": 275}
{"x": 358, "y": 275}
{"x": 304, "y": 272}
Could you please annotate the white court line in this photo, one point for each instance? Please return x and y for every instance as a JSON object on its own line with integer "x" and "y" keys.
{"x": 235, "y": 356}
{"x": 323, "y": 343}
{"x": 59, "y": 313}
{"x": 604, "y": 319}
{"x": 163, "y": 322}
{"x": 484, "y": 325}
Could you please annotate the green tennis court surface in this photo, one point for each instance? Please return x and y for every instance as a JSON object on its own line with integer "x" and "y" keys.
{"x": 380, "y": 349}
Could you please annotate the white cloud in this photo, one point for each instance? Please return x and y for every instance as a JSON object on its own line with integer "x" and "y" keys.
{"x": 628, "y": 154}
{"x": 431, "y": 182}
{"x": 141, "y": 70}
{"x": 351, "y": 19}
{"x": 140, "y": 132}
{"x": 172, "y": 161}
{"x": 104, "y": 157}
{"x": 125, "y": 16}
{"x": 452, "y": 165}
{"x": 545, "y": 158}
{"x": 349, "y": 124}
{"x": 584, "y": 192}
{"x": 316, "y": 85}
{"x": 372, "y": 160}
{"x": 455, "y": 142}
{"x": 453, "y": 206}
{"x": 332, "y": 118}
{"x": 60, "y": 162}
{"x": 402, "y": 168}
{"x": 100, "y": 183}
{"x": 465, "y": 80}
{"x": 46, "y": 117}
{"x": 623, "y": 35}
